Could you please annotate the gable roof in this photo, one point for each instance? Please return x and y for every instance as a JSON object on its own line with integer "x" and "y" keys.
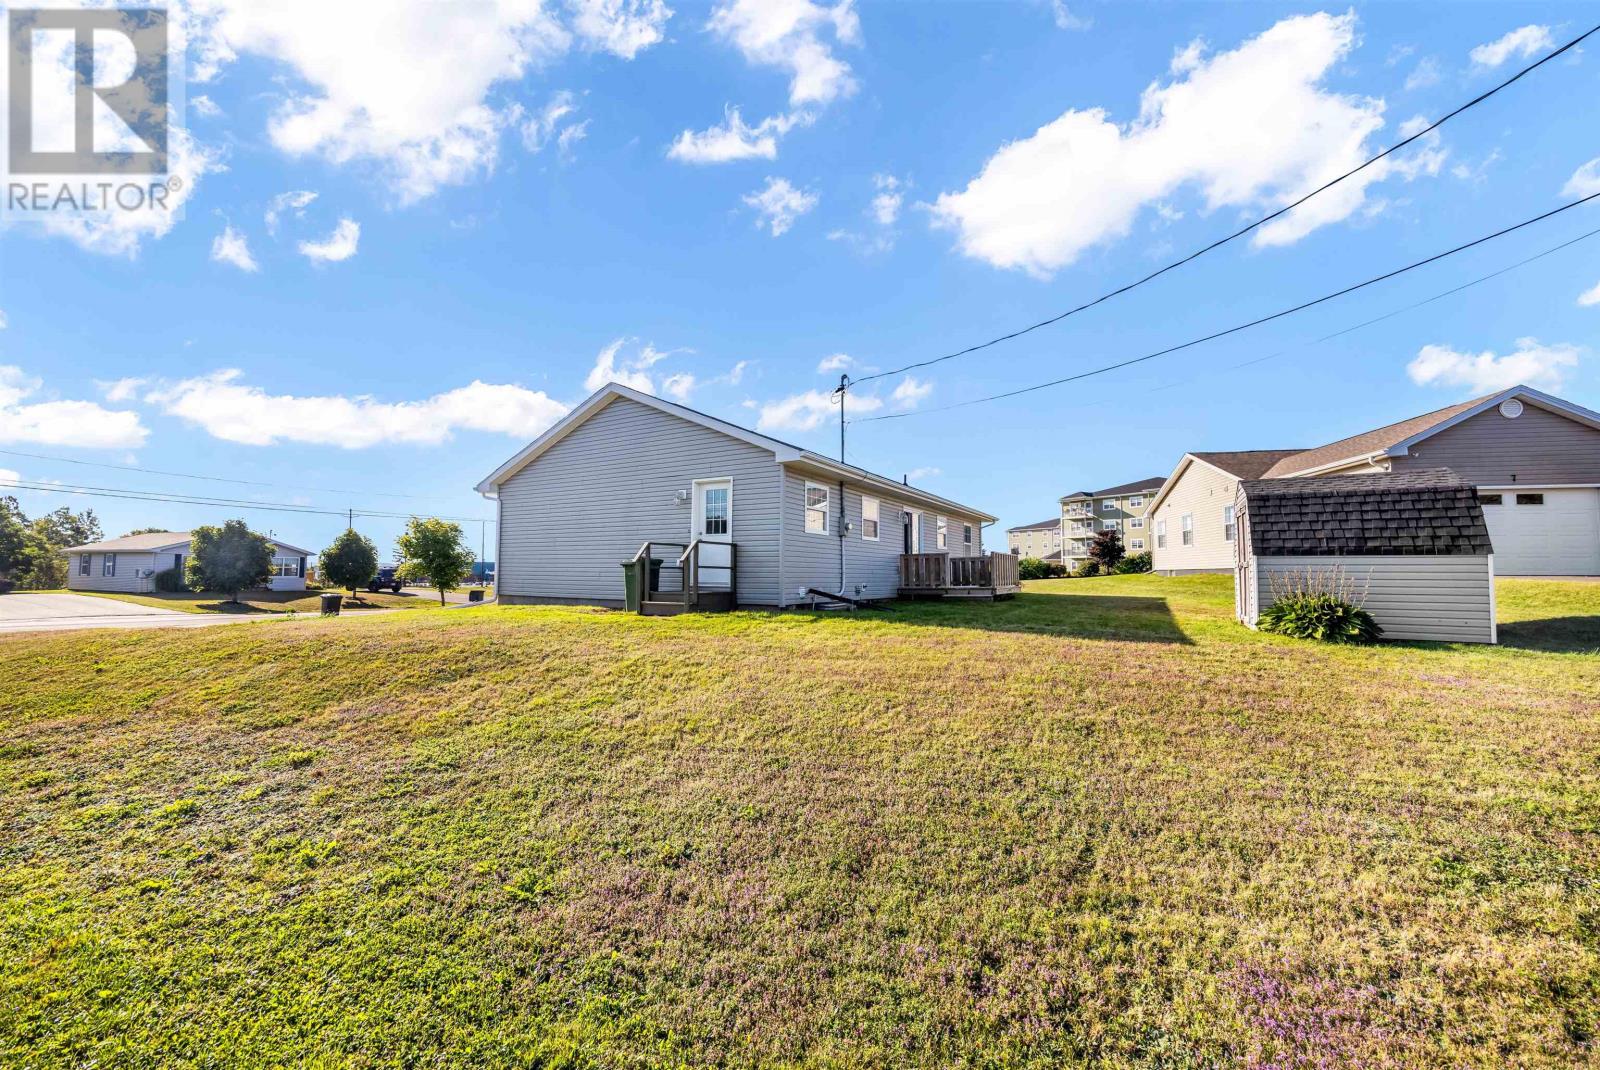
{"x": 1428, "y": 511}
{"x": 1055, "y": 522}
{"x": 1152, "y": 483}
{"x": 1396, "y": 439}
{"x": 1240, "y": 464}
{"x": 152, "y": 541}
{"x": 783, "y": 452}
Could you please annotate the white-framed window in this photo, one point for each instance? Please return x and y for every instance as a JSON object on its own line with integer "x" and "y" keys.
{"x": 1186, "y": 522}
{"x": 285, "y": 566}
{"x": 966, "y": 534}
{"x": 1108, "y": 525}
{"x": 816, "y": 508}
{"x": 1136, "y": 544}
{"x": 1161, "y": 534}
{"x": 1136, "y": 501}
{"x": 83, "y": 564}
{"x": 1136, "y": 522}
{"x": 869, "y": 518}
{"x": 941, "y": 526}
{"x": 108, "y": 565}
{"x": 1109, "y": 505}
{"x": 1229, "y": 528}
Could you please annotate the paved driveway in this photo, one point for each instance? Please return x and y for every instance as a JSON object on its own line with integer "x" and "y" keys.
{"x": 22, "y": 611}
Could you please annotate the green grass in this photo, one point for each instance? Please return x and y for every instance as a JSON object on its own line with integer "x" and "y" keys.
{"x": 267, "y": 601}
{"x": 1100, "y": 825}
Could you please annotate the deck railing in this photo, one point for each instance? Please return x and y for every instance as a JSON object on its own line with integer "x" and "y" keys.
{"x": 939, "y": 571}
{"x": 681, "y": 577}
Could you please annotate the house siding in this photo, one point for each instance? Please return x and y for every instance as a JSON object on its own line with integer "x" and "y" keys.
{"x": 1443, "y": 599}
{"x": 1537, "y": 448}
{"x": 126, "y": 581}
{"x": 872, "y": 569}
{"x": 1203, "y": 491}
{"x": 570, "y": 517}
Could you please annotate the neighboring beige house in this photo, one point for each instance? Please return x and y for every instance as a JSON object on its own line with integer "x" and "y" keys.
{"x": 1124, "y": 508}
{"x": 129, "y": 564}
{"x": 1533, "y": 458}
{"x": 1041, "y": 540}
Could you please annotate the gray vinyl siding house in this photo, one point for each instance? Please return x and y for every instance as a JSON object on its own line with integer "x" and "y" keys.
{"x": 625, "y": 467}
{"x": 129, "y": 565}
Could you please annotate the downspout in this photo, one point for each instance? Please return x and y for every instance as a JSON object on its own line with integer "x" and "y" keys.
{"x": 844, "y": 528}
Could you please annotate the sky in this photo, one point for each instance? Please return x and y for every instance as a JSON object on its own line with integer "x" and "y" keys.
{"x": 410, "y": 239}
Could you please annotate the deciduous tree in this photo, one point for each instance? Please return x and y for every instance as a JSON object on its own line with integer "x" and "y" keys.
{"x": 434, "y": 550}
{"x": 350, "y": 562}
{"x": 228, "y": 559}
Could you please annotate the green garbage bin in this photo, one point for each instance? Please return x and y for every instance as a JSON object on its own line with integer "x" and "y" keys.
{"x": 630, "y": 586}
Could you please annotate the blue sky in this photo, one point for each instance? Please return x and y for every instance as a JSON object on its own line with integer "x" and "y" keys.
{"x": 717, "y": 202}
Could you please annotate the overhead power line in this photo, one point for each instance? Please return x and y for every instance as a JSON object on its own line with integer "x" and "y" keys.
{"x": 1242, "y": 231}
{"x": 213, "y": 479}
{"x": 1242, "y": 326}
{"x": 218, "y": 503}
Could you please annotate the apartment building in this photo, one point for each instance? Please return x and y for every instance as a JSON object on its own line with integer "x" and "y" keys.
{"x": 1041, "y": 540}
{"x": 1123, "y": 508}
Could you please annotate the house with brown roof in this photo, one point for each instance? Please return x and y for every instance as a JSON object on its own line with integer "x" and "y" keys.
{"x": 1533, "y": 458}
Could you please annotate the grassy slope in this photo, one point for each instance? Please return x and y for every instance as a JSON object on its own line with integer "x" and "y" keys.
{"x": 1098, "y": 825}
{"x": 268, "y": 601}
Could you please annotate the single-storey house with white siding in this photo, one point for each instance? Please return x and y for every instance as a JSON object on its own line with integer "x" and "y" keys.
{"x": 1411, "y": 547}
{"x": 1534, "y": 459}
{"x": 774, "y": 521}
{"x": 129, "y": 564}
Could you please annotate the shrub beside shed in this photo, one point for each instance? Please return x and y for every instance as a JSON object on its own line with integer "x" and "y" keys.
{"x": 1412, "y": 545}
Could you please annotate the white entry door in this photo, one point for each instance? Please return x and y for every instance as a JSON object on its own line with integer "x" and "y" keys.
{"x": 713, "y": 525}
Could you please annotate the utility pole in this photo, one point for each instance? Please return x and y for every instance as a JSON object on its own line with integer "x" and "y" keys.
{"x": 844, "y": 388}
{"x": 350, "y": 520}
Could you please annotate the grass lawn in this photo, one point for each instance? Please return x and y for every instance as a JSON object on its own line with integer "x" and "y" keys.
{"x": 270, "y": 601}
{"x": 1100, "y": 825}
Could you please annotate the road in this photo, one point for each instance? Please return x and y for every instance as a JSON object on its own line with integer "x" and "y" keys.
{"x": 22, "y": 611}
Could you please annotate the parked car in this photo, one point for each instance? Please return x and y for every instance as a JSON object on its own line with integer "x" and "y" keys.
{"x": 385, "y": 578}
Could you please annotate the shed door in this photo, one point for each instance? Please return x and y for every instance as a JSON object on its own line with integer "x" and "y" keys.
{"x": 713, "y": 525}
{"x": 1544, "y": 532}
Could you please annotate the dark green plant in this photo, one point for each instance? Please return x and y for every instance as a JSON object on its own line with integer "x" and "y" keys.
{"x": 170, "y": 581}
{"x": 1139, "y": 562}
{"x": 1106, "y": 549}
{"x": 1320, "y": 615}
{"x": 1032, "y": 568}
{"x": 228, "y": 559}
{"x": 349, "y": 562}
{"x": 1086, "y": 570}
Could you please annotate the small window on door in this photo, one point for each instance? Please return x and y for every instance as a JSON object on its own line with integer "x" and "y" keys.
{"x": 966, "y": 534}
{"x": 1490, "y": 499}
{"x": 1530, "y": 499}
{"x": 869, "y": 519}
{"x": 816, "y": 508}
{"x": 716, "y": 507}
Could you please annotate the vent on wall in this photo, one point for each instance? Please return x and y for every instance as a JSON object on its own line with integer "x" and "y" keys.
{"x": 1511, "y": 408}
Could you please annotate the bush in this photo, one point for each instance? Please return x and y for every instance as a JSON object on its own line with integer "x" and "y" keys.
{"x": 1139, "y": 562}
{"x": 170, "y": 581}
{"x": 1320, "y": 606}
{"x": 1086, "y": 570}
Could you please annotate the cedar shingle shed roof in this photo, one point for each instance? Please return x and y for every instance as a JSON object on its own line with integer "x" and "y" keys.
{"x": 1423, "y": 512}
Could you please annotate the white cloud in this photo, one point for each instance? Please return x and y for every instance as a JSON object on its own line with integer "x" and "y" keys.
{"x": 924, "y": 473}
{"x": 120, "y": 390}
{"x": 9, "y": 476}
{"x": 61, "y": 423}
{"x": 734, "y": 139}
{"x": 910, "y": 392}
{"x": 1591, "y": 297}
{"x": 234, "y": 411}
{"x": 789, "y": 34}
{"x": 204, "y": 106}
{"x": 611, "y": 367}
{"x": 886, "y": 204}
{"x": 779, "y": 204}
{"x": 1252, "y": 129}
{"x": 838, "y": 362}
{"x": 807, "y": 411}
{"x": 230, "y": 247}
{"x": 295, "y": 200}
{"x": 1525, "y": 41}
{"x": 1482, "y": 373}
{"x": 1065, "y": 19}
{"x": 541, "y": 126}
{"x": 340, "y": 245}
{"x": 622, "y": 27}
{"x": 678, "y": 386}
{"x": 407, "y": 89}
{"x": 883, "y": 213}
{"x": 1426, "y": 74}
{"x": 1585, "y": 181}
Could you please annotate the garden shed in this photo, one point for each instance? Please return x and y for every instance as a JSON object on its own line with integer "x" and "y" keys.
{"x": 1411, "y": 546}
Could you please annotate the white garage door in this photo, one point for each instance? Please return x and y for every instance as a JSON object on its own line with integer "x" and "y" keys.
{"x": 1538, "y": 532}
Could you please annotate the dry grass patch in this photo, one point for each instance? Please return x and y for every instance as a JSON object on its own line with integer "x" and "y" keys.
{"x": 1099, "y": 825}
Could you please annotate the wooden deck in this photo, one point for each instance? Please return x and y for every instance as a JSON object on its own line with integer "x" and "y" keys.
{"x": 681, "y": 582}
{"x": 938, "y": 575}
